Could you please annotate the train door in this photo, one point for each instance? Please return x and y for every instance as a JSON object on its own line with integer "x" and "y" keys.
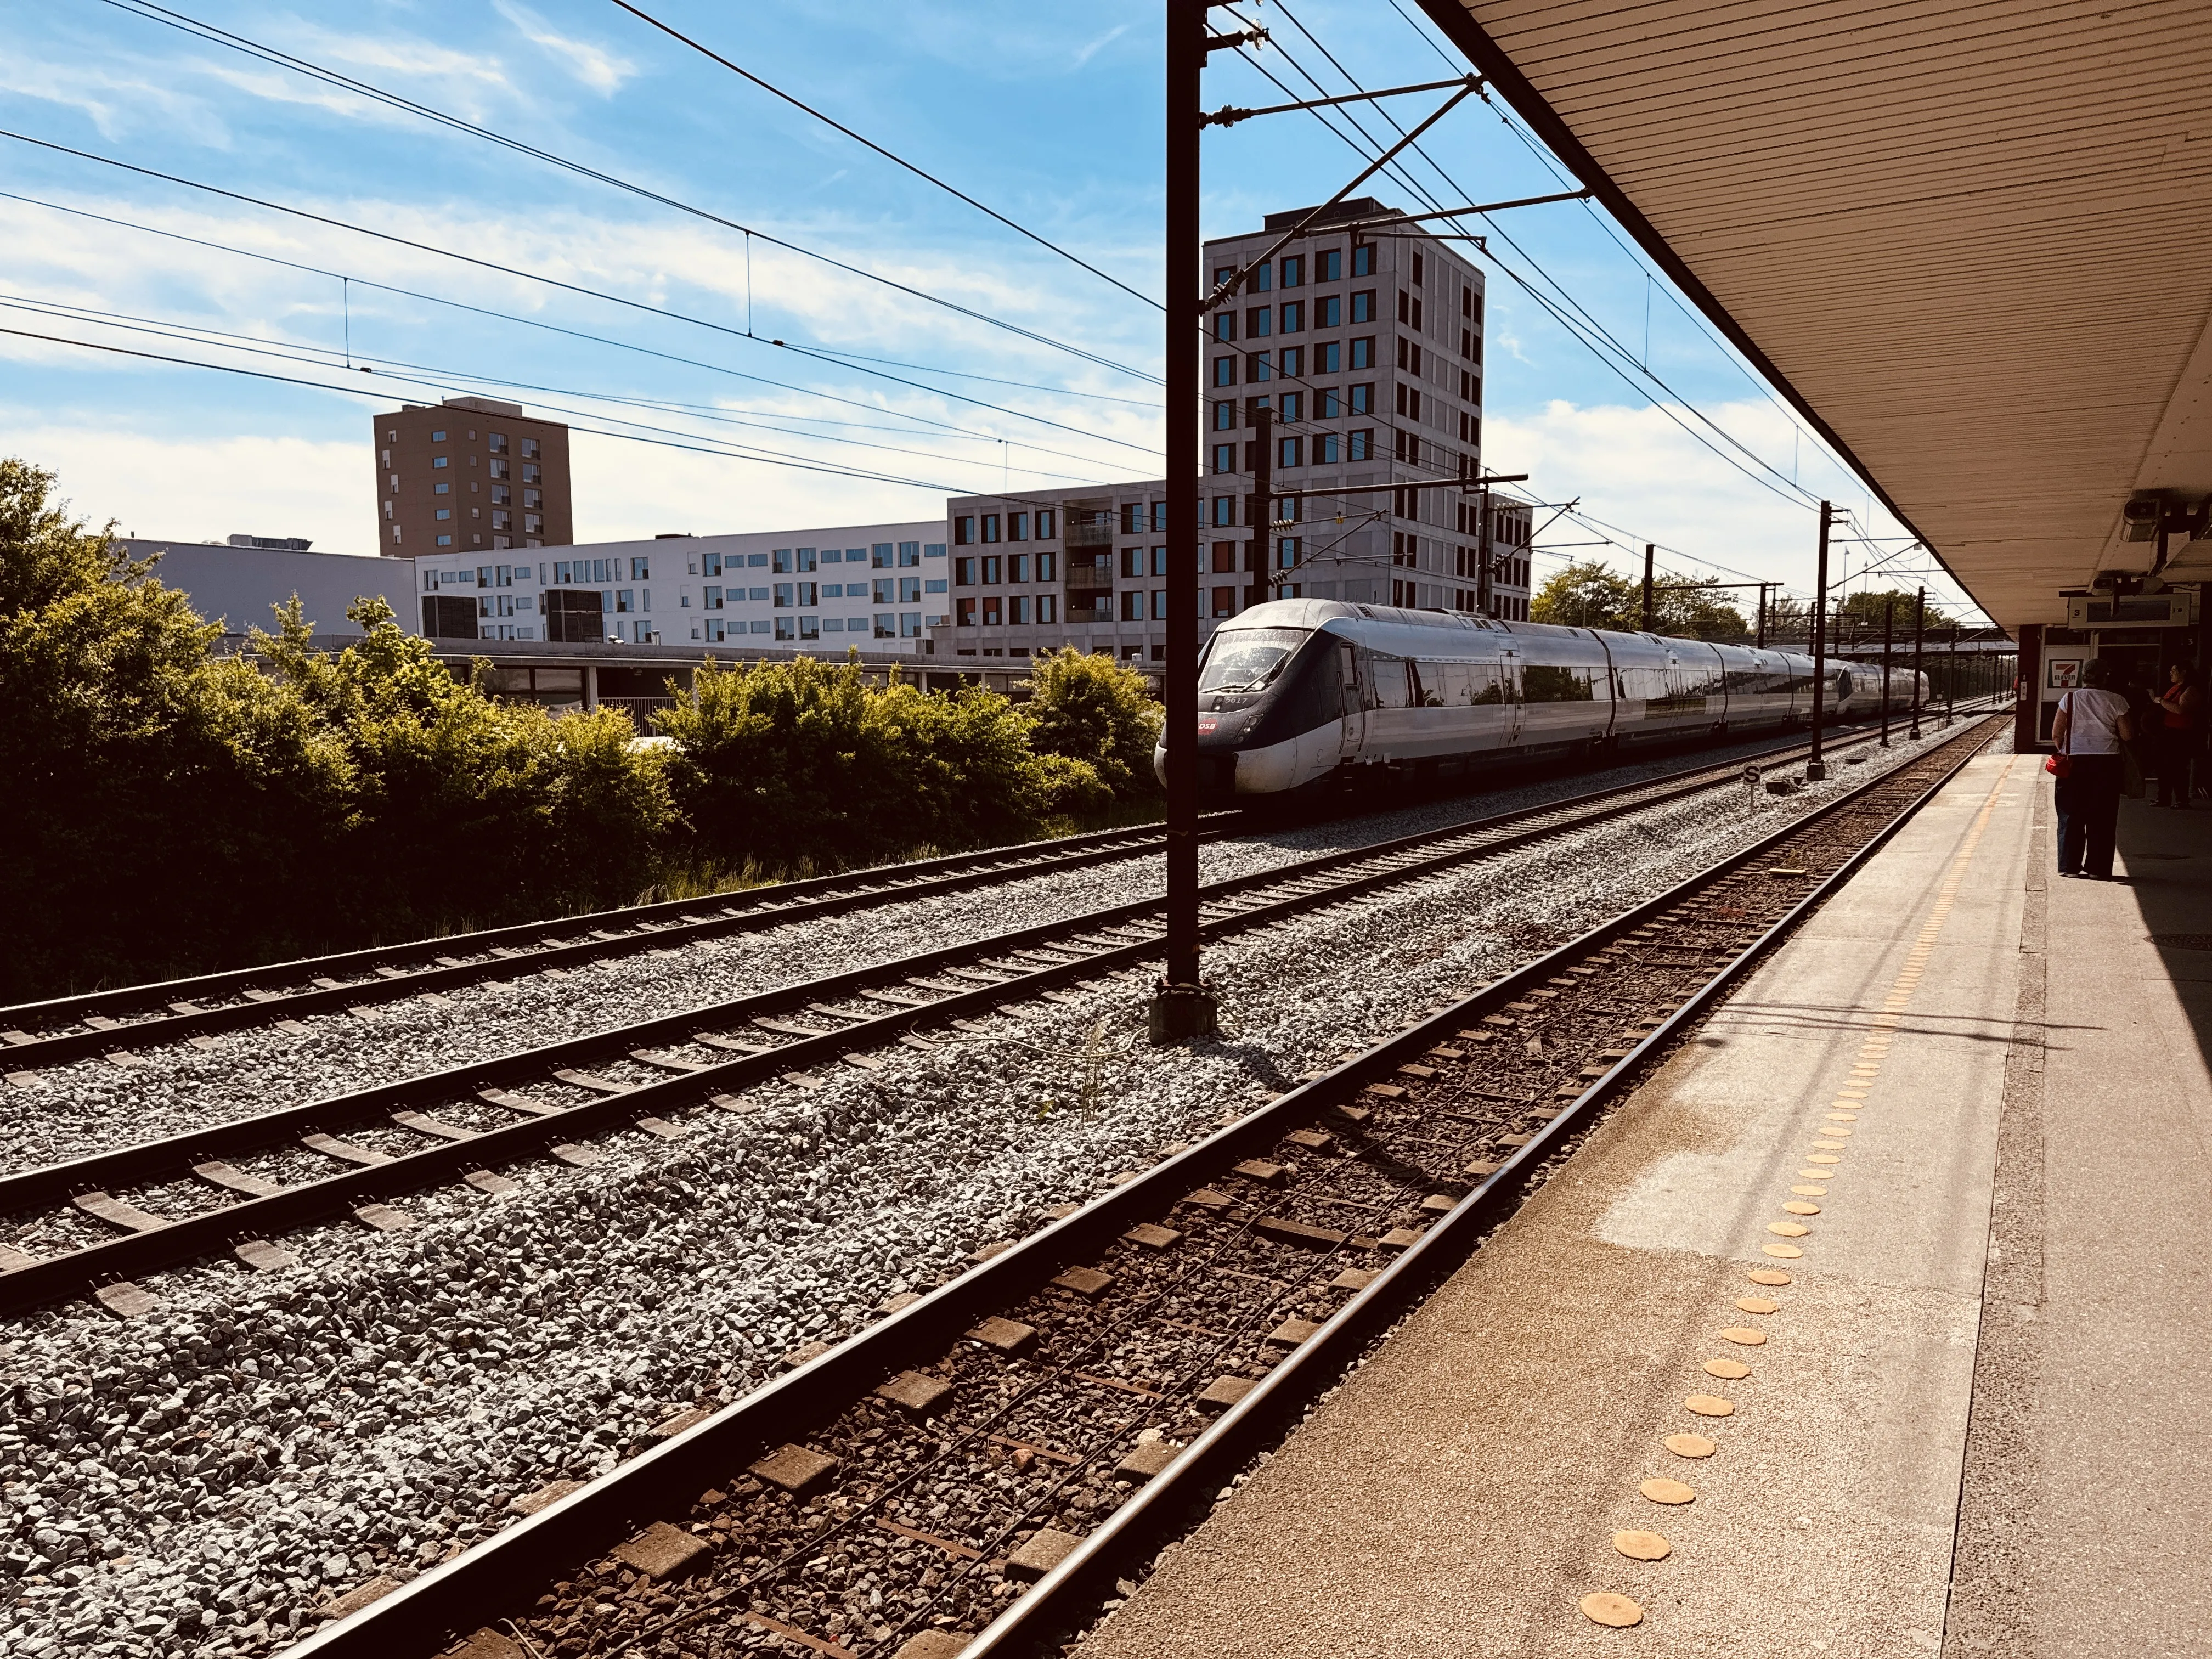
{"x": 1355, "y": 703}
{"x": 1515, "y": 701}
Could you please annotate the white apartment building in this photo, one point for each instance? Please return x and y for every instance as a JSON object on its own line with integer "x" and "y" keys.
{"x": 880, "y": 587}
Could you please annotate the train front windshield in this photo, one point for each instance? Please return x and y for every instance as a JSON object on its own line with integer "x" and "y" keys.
{"x": 1247, "y": 659}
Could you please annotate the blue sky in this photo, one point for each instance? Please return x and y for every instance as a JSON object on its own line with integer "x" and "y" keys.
{"x": 1051, "y": 116}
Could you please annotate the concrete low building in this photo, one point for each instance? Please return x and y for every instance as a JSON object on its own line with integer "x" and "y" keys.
{"x": 238, "y": 582}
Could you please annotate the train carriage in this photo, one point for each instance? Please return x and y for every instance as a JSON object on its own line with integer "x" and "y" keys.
{"x": 1300, "y": 694}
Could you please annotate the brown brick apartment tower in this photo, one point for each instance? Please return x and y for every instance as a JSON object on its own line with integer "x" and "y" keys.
{"x": 469, "y": 475}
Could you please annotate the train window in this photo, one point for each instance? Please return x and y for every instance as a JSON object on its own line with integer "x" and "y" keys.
{"x": 1248, "y": 659}
{"x": 1546, "y": 683}
{"x": 1426, "y": 685}
{"x": 1389, "y": 684}
{"x": 1492, "y": 684}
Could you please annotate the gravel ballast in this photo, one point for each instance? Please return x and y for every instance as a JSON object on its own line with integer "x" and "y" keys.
{"x": 199, "y": 1479}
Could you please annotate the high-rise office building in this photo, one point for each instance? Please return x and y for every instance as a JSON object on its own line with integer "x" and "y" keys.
{"x": 1363, "y": 339}
{"x": 469, "y": 475}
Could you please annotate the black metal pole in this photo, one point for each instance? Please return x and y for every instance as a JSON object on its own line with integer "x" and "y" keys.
{"x": 1483, "y": 604}
{"x": 1814, "y": 766}
{"x": 1263, "y": 489}
{"x": 1647, "y": 587}
{"x": 1183, "y": 1009}
{"x": 1888, "y": 607}
{"x": 1951, "y": 678}
{"x": 1920, "y": 629}
{"x": 1762, "y": 615}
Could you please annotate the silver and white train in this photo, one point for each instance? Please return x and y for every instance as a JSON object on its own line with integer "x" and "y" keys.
{"x": 1303, "y": 694}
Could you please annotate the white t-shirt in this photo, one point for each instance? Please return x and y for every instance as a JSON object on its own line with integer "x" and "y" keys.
{"x": 2093, "y": 720}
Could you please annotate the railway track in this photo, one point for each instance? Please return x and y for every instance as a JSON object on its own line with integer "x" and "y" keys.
{"x": 116, "y": 1022}
{"x": 972, "y": 1473}
{"x": 237, "y": 1187}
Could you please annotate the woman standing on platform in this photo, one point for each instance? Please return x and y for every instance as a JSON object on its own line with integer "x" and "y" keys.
{"x": 2091, "y": 725}
{"x": 2182, "y": 706}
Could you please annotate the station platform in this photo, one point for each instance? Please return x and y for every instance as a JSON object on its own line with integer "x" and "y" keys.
{"x": 1974, "y": 1417}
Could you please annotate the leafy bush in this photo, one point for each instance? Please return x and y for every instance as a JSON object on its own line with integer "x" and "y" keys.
{"x": 1091, "y": 709}
{"x": 172, "y": 808}
{"x": 781, "y": 764}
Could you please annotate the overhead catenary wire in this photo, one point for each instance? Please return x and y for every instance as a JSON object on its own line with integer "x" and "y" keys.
{"x": 209, "y": 32}
{"x": 1551, "y": 164}
{"x": 297, "y": 351}
{"x": 555, "y": 328}
{"x": 1584, "y": 326}
{"x": 892, "y": 156}
{"x": 703, "y": 446}
{"x": 515, "y": 271}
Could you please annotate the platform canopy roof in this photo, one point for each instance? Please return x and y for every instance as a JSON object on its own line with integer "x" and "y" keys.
{"x": 1972, "y": 242}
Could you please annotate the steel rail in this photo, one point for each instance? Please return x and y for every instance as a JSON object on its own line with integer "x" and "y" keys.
{"x": 447, "y": 1600}
{"x": 1032, "y": 1626}
{"x": 251, "y": 1220}
{"x": 395, "y": 971}
{"x": 529, "y": 946}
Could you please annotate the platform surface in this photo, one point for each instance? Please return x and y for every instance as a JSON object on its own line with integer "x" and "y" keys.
{"x": 1894, "y": 1479}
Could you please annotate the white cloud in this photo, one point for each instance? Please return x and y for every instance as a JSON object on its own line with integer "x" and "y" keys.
{"x": 116, "y": 104}
{"x": 207, "y": 489}
{"x": 1639, "y": 471}
{"x": 602, "y": 70}
{"x": 1086, "y": 53}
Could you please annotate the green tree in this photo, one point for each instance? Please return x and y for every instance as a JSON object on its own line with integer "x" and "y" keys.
{"x": 1089, "y": 707}
{"x": 1588, "y": 594}
{"x": 1859, "y": 616}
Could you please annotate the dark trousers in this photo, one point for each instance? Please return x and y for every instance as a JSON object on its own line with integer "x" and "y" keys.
{"x": 2176, "y": 747}
{"x": 2088, "y": 814}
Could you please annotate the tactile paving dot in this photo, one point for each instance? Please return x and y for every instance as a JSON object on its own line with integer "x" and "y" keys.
{"x": 1745, "y": 1335}
{"x": 1768, "y": 1276}
{"x": 1787, "y": 1252}
{"x": 1611, "y": 1607}
{"x": 1757, "y": 1304}
{"x": 1800, "y": 1207}
{"x": 1660, "y": 1490}
{"x": 1789, "y": 1229}
{"x": 1842, "y": 1117}
{"x": 1710, "y": 1405}
{"x": 1729, "y": 1370}
{"x": 1690, "y": 1445}
{"x": 1819, "y": 1174}
{"x": 1640, "y": 1545}
{"x": 1811, "y": 1192}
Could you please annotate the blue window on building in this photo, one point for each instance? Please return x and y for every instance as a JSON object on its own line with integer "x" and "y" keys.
{"x": 1225, "y": 458}
{"x": 1225, "y": 371}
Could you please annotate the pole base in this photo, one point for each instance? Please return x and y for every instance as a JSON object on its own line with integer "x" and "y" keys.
{"x": 1182, "y": 1013}
{"x": 1815, "y": 770}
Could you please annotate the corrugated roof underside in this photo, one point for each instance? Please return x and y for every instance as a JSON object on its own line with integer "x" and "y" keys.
{"x": 1974, "y": 238}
